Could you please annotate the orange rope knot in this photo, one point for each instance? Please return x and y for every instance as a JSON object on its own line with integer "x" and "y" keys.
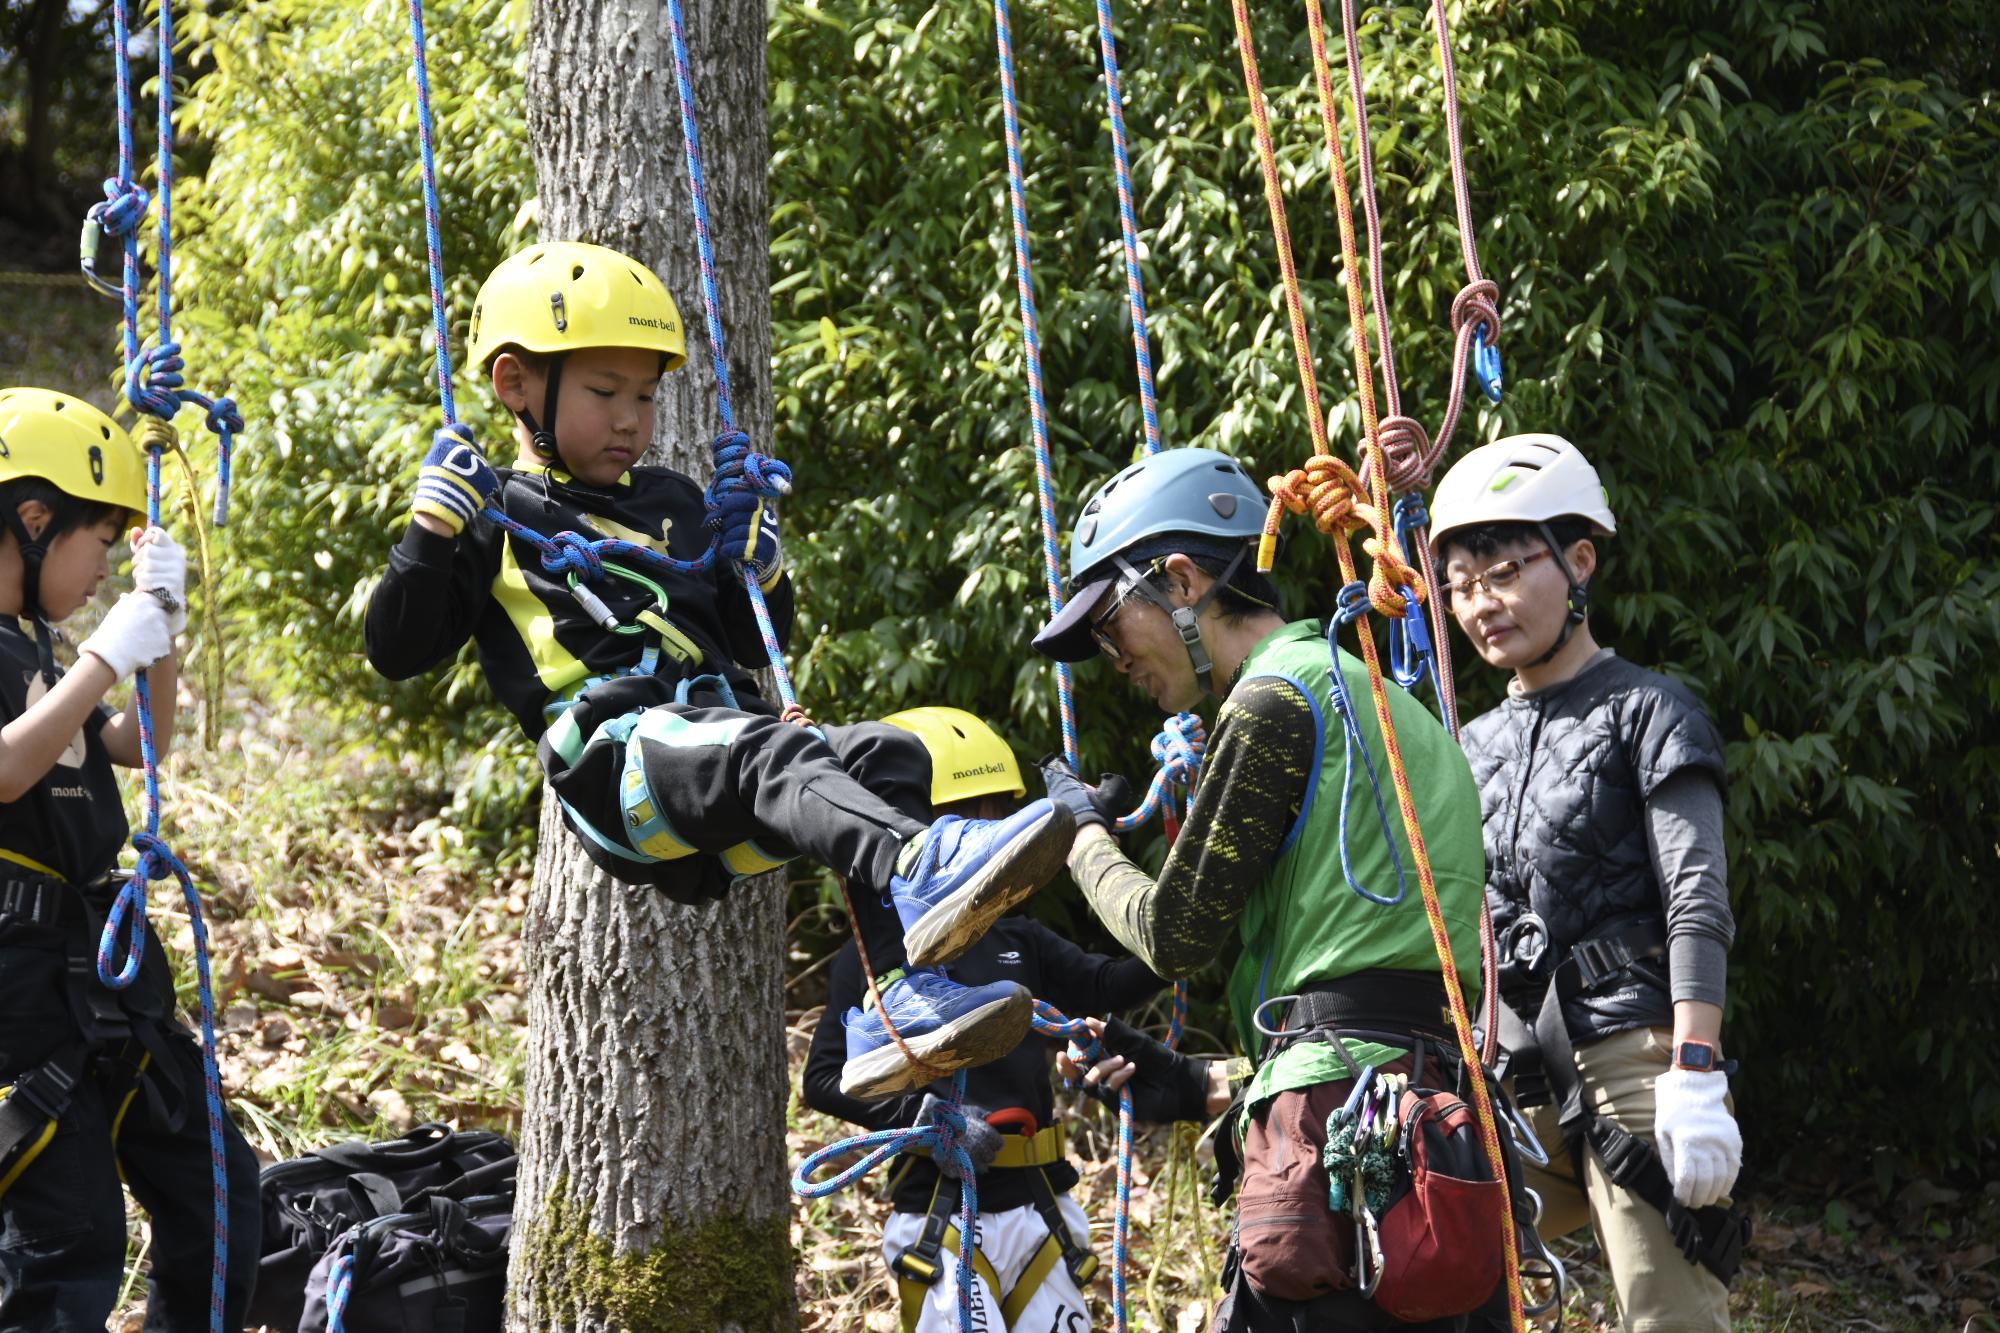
{"x": 1391, "y": 575}
{"x": 1326, "y": 488}
{"x": 1478, "y": 303}
{"x": 1408, "y": 450}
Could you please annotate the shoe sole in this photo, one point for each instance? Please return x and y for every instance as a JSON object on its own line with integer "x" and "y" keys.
{"x": 977, "y": 1038}
{"x": 957, "y": 922}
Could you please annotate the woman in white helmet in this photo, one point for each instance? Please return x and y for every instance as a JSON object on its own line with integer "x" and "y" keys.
{"x": 1601, "y": 796}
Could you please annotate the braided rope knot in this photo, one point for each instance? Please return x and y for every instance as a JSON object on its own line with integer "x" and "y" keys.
{"x": 1391, "y": 575}
{"x": 573, "y": 551}
{"x": 1408, "y": 451}
{"x": 155, "y": 435}
{"x": 156, "y": 860}
{"x": 223, "y": 418}
{"x": 153, "y": 382}
{"x": 1179, "y": 746}
{"x": 1478, "y": 303}
{"x": 124, "y": 207}
{"x": 1328, "y": 489}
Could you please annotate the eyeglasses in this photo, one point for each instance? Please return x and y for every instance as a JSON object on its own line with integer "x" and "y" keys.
{"x": 1496, "y": 579}
{"x": 1100, "y": 628}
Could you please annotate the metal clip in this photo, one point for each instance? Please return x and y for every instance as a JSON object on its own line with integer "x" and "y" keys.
{"x": 1486, "y": 363}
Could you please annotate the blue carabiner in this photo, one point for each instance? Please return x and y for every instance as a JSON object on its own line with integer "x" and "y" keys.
{"x": 1486, "y": 363}
{"x": 1410, "y": 642}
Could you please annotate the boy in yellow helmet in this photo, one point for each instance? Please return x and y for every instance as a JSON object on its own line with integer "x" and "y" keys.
{"x": 94, "y": 1083}
{"x": 1032, "y": 1263}
{"x": 672, "y": 769}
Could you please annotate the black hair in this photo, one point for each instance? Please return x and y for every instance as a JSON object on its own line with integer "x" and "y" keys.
{"x": 66, "y": 512}
{"x": 1488, "y": 538}
{"x": 1246, "y": 593}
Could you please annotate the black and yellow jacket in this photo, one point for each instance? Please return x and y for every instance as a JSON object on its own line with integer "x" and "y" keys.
{"x": 534, "y": 639}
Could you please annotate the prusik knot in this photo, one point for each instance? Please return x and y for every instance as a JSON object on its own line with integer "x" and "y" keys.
{"x": 151, "y": 433}
{"x": 1179, "y": 747}
{"x": 1392, "y": 574}
{"x": 1327, "y": 489}
{"x": 153, "y": 383}
{"x": 574, "y": 552}
{"x": 1408, "y": 452}
{"x": 1478, "y": 303}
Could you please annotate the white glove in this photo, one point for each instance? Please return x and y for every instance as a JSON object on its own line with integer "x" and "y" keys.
{"x": 1699, "y": 1143}
{"x": 135, "y": 633}
{"x": 160, "y": 566}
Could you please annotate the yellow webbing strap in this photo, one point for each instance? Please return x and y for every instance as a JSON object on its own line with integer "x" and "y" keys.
{"x": 911, "y": 1292}
{"x": 118, "y": 1121}
{"x": 1044, "y": 1148}
{"x": 1032, "y": 1277}
{"x": 27, "y": 863}
{"x": 28, "y": 1155}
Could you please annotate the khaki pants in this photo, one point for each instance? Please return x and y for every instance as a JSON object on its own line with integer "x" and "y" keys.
{"x": 1658, "y": 1289}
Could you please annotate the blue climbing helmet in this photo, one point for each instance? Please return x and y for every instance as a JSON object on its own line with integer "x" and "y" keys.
{"x": 1193, "y": 501}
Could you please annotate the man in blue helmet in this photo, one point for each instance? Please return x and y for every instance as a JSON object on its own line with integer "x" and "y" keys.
{"x": 1282, "y": 844}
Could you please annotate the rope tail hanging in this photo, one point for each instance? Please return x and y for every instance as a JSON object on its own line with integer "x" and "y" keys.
{"x": 154, "y": 388}
{"x": 1342, "y": 505}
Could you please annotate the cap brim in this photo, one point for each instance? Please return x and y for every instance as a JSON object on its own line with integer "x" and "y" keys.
{"x": 1067, "y": 638}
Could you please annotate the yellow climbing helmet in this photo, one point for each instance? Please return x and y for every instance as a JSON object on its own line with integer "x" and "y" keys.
{"x": 968, "y": 758}
{"x": 560, "y": 296}
{"x": 72, "y": 446}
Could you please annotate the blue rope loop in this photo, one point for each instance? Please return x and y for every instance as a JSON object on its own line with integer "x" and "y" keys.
{"x": 339, "y": 1287}
{"x": 154, "y": 384}
{"x": 573, "y": 551}
{"x": 1177, "y": 749}
{"x": 1350, "y": 605}
{"x": 1351, "y": 739}
{"x": 1486, "y": 364}
{"x": 941, "y": 1135}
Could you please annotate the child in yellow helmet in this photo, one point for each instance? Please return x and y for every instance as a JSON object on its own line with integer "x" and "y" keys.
{"x": 95, "y": 1084}
{"x": 671, "y": 767}
{"x": 1032, "y": 1262}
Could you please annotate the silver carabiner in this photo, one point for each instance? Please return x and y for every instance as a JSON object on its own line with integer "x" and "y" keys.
{"x": 1367, "y": 1243}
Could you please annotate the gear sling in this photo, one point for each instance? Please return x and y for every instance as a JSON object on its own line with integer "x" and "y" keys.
{"x": 1713, "y": 1237}
{"x": 920, "y": 1266}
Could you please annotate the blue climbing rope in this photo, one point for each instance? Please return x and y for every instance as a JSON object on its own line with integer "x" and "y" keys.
{"x": 1351, "y": 606}
{"x": 940, "y": 1137}
{"x": 154, "y": 386}
{"x": 1177, "y": 749}
{"x": 1128, "y": 226}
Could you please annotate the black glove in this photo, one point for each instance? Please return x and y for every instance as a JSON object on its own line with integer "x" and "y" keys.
{"x": 980, "y": 1140}
{"x": 1166, "y": 1085}
{"x": 1110, "y": 800}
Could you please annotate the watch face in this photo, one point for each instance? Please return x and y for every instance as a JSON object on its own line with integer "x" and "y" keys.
{"x": 1695, "y": 1055}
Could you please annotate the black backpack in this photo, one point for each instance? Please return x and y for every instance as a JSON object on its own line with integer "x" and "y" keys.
{"x": 314, "y": 1201}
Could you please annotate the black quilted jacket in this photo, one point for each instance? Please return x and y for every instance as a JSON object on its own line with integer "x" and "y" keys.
{"x": 1563, "y": 780}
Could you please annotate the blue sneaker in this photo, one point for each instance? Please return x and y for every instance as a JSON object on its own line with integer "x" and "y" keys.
{"x": 971, "y": 872}
{"x": 946, "y": 1026}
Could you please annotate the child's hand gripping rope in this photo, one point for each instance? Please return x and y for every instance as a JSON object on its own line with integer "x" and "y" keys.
{"x": 742, "y": 507}
{"x": 457, "y": 481}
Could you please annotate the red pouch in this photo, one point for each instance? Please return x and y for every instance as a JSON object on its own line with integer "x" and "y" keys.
{"x": 1445, "y": 1232}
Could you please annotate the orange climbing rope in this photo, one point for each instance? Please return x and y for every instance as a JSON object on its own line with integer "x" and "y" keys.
{"x": 1342, "y": 504}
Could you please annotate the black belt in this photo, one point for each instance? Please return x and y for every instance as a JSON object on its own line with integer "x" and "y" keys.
{"x": 1386, "y": 1001}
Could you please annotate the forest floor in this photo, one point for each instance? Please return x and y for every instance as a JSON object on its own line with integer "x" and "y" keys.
{"x": 368, "y": 966}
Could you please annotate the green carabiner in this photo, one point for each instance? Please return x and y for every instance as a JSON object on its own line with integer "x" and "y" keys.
{"x": 594, "y": 606}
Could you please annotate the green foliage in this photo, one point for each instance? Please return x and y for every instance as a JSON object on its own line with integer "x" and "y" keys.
{"x": 1749, "y": 257}
{"x": 303, "y": 285}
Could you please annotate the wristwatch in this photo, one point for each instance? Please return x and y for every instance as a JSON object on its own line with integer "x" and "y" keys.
{"x": 1696, "y": 1056}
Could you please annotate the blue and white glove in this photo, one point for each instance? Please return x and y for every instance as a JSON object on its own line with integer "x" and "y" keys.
{"x": 1699, "y": 1143}
{"x": 456, "y": 481}
{"x": 747, "y": 526}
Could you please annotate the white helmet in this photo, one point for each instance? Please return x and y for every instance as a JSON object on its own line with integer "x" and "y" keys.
{"x": 1521, "y": 479}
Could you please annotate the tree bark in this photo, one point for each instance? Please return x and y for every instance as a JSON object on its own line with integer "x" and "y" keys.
{"x": 652, "y": 1189}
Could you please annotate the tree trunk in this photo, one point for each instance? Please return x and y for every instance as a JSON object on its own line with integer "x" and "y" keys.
{"x": 652, "y": 1188}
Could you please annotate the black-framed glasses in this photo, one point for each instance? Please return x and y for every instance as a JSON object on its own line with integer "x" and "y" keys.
{"x": 1496, "y": 579}
{"x": 1100, "y": 626}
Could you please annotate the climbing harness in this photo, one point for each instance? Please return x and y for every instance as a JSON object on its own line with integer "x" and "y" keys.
{"x": 1397, "y": 456}
{"x": 154, "y": 386}
{"x": 586, "y": 559}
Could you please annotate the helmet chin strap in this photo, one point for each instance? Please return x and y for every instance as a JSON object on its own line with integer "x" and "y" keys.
{"x": 1187, "y": 619}
{"x": 1578, "y": 608}
{"x": 542, "y": 434}
{"x": 32, "y": 550}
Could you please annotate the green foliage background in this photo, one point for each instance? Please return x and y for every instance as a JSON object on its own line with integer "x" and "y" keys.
{"x": 1749, "y": 258}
